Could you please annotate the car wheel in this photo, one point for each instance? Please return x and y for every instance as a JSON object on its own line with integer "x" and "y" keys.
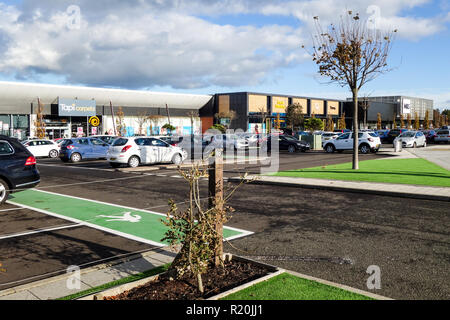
{"x": 134, "y": 162}
{"x": 365, "y": 149}
{"x": 329, "y": 148}
{"x": 75, "y": 157}
{"x": 291, "y": 149}
{"x": 177, "y": 159}
{"x": 4, "y": 191}
{"x": 53, "y": 154}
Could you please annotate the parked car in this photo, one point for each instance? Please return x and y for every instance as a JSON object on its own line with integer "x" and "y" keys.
{"x": 286, "y": 142}
{"x": 367, "y": 142}
{"x": 17, "y": 168}
{"x": 429, "y": 135}
{"x": 394, "y": 133}
{"x": 341, "y": 130}
{"x": 42, "y": 148}
{"x": 227, "y": 141}
{"x": 442, "y": 135}
{"x": 106, "y": 138}
{"x": 412, "y": 139}
{"x": 383, "y": 134}
{"x": 78, "y": 149}
{"x": 134, "y": 151}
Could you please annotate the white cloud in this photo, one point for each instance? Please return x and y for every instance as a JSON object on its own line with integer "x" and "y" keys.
{"x": 144, "y": 43}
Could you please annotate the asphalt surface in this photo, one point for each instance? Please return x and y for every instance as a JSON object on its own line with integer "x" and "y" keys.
{"x": 331, "y": 235}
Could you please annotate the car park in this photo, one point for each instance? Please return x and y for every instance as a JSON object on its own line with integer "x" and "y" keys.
{"x": 412, "y": 139}
{"x": 442, "y": 136}
{"x": 134, "y": 151}
{"x": 367, "y": 142}
{"x": 42, "y": 148}
{"x": 78, "y": 149}
{"x": 17, "y": 168}
{"x": 286, "y": 142}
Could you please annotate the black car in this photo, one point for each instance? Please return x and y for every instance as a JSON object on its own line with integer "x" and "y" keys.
{"x": 17, "y": 168}
{"x": 286, "y": 142}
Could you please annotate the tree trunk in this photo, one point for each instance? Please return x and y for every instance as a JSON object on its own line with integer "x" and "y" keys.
{"x": 355, "y": 130}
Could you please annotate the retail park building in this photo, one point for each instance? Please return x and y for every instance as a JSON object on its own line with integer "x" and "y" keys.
{"x": 67, "y": 110}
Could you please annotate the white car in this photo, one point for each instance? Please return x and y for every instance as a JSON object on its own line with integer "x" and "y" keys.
{"x": 412, "y": 139}
{"x": 134, "y": 151}
{"x": 42, "y": 148}
{"x": 367, "y": 142}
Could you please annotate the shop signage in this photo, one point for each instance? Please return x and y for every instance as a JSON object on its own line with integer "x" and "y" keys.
{"x": 76, "y": 108}
{"x": 406, "y": 106}
{"x": 94, "y": 121}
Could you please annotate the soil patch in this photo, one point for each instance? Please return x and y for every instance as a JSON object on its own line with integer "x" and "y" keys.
{"x": 217, "y": 280}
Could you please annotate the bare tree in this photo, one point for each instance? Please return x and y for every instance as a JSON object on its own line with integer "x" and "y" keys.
{"x": 142, "y": 119}
{"x": 351, "y": 54}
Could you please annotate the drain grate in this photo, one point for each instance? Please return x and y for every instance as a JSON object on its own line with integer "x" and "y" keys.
{"x": 335, "y": 260}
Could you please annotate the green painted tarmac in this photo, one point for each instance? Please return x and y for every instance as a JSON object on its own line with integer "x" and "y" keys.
{"x": 139, "y": 225}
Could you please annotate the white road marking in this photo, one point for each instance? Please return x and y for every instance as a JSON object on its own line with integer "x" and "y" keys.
{"x": 21, "y": 234}
{"x": 12, "y": 209}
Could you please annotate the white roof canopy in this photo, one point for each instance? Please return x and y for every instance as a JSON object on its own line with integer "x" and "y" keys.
{"x": 20, "y": 94}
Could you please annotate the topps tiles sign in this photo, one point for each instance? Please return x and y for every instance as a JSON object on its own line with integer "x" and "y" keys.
{"x": 77, "y": 108}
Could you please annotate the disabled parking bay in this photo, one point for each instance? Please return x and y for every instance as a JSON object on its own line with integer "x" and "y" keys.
{"x": 135, "y": 224}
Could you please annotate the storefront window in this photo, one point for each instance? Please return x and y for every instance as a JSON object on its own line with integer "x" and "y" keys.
{"x": 4, "y": 124}
{"x": 21, "y": 126}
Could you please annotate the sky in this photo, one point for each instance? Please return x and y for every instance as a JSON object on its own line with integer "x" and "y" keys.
{"x": 207, "y": 46}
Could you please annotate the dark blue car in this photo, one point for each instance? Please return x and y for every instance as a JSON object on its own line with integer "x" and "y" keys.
{"x": 78, "y": 149}
{"x": 17, "y": 168}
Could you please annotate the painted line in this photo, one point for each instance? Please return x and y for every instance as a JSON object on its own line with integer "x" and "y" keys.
{"x": 12, "y": 209}
{"x": 16, "y": 235}
{"x": 74, "y": 167}
{"x": 86, "y": 216}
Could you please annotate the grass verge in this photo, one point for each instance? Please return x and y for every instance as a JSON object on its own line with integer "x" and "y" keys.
{"x": 119, "y": 282}
{"x": 400, "y": 171}
{"x": 289, "y": 287}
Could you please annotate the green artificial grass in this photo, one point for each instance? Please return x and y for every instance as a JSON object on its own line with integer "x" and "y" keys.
{"x": 289, "y": 287}
{"x": 119, "y": 282}
{"x": 401, "y": 171}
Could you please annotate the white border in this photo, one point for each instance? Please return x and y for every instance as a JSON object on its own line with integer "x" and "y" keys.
{"x": 244, "y": 233}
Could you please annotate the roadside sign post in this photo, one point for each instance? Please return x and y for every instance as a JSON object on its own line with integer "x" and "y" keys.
{"x": 215, "y": 194}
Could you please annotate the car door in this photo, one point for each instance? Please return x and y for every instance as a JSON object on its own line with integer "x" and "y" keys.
{"x": 283, "y": 144}
{"x": 85, "y": 148}
{"x": 99, "y": 148}
{"x": 343, "y": 142}
{"x": 164, "y": 152}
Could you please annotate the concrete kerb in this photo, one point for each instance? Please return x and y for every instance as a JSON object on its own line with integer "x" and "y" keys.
{"x": 342, "y": 188}
{"x": 340, "y": 286}
{"x": 48, "y": 281}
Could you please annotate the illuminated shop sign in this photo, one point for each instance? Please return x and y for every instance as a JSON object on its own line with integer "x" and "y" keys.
{"x": 77, "y": 108}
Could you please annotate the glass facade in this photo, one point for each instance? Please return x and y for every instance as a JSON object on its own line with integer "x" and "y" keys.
{"x": 17, "y": 126}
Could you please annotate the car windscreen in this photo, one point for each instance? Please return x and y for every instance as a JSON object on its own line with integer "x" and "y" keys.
{"x": 408, "y": 134}
{"x": 290, "y": 138}
{"x": 120, "y": 142}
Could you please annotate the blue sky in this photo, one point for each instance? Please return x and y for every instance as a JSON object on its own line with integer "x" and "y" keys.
{"x": 202, "y": 46}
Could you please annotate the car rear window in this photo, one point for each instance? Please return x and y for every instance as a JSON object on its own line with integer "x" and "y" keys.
{"x": 120, "y": 142}
{"x": 66, "y": 143}
{"x": 5, "y": 148}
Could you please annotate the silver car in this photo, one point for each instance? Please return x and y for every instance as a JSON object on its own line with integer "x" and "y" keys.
{"x": 442, "y": 135}
{"x": 412, "y": 139}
